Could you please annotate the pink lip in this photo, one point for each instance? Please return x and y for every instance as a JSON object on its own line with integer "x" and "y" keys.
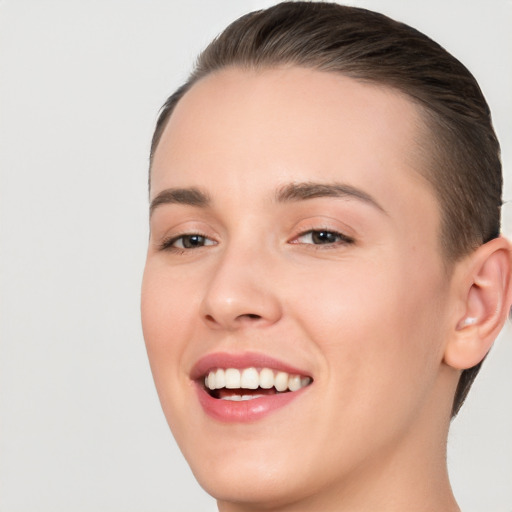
{"x": 244, "y": 411}
{"x": 248, "y": 410}
{"x": 239, "y": 361}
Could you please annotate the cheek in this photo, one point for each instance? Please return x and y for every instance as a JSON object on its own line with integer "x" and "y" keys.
{"x": 377, "y": 327}
{"x": 166, "y": 309}
{"x": 166, "y": 322}
{"x": 166, "y": 302}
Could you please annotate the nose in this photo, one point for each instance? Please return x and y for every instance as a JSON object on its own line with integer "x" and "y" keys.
{"x": 241, "y": 291}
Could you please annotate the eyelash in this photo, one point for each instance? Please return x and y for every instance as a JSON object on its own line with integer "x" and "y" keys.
{"x": 168, "y": 243}
{"x": 341, "y": 239}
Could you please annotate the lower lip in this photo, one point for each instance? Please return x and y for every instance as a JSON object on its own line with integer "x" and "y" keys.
{"x": 246, "y": 410}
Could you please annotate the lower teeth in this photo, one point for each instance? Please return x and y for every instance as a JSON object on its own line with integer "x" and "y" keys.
{"x": 240, "y": 398}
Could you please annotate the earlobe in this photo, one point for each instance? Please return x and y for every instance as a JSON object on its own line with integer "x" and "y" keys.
{"x": 469, "y": 320}
{"x": 485, "y": 291}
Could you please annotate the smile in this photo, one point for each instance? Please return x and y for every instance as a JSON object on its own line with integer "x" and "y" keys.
{"x": 246, "y": 387}
{"x": 250, "y": 383}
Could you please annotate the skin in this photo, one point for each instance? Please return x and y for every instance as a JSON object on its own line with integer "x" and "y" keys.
{"x": 369, "y": 319}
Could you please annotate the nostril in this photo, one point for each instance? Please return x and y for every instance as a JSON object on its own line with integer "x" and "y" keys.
{"x": 248, "y": 317}
{"x": 236, "y": 321}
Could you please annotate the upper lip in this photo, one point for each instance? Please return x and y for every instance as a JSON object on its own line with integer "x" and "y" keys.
{"x": 216, "y": 360}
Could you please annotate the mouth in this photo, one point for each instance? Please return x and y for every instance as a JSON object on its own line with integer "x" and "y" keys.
{"x": 246, "y": 387}
{"x": 238, "y": 385}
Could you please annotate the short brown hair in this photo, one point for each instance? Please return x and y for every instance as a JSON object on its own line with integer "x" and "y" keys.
{"x": 463, "y": 153}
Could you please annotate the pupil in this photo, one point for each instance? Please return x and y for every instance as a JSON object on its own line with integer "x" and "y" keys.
{"x": 323, "y": 237}
{"x": 193, "y": 241}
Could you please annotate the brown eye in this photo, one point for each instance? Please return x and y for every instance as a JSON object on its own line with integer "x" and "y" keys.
{"x": 189, "y": 241}
{"x": 323, "y": 237}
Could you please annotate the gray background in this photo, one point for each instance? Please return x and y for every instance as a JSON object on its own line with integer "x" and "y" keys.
{"x": 80, "y": 86}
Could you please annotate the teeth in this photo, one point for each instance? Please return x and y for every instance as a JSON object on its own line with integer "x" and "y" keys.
{"x": 250, "y": 378}
{"x": 220, "y": 378}
{"x": 304, "y": 381}
{"x": 211, "y": 380}
{"x": 240, "y": 398}
{"x": 281, "y": 381}
{"x": 232, "y": 378}
{"x": 294, "y": 383}
{"x": 266, "y": 378}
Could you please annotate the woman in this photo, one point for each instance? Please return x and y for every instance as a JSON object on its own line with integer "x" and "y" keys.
{"x": 325, "y": 272}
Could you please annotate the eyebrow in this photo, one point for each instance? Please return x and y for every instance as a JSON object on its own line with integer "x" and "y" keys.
{"x": 187, "y": 196}
{"x": 311, "y": 190}
{"x": 288, "y": 193}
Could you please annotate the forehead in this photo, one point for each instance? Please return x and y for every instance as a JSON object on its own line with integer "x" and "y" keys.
{"x": 251, "y": 129}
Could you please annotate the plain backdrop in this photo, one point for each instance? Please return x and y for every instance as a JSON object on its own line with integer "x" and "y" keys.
{"x": 80, "y": 85}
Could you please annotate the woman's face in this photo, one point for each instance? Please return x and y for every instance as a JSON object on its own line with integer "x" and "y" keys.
{"x": 294, "y": 245}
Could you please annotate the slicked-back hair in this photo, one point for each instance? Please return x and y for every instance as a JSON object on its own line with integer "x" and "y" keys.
{"x": 461, "y": 151}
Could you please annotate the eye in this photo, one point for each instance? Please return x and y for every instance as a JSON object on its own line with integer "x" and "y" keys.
{"x": 323, "y": 237}
{"x": 187, "y": 241}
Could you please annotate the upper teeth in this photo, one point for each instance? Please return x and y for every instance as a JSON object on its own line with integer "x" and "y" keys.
{"x": 251, "y": 378}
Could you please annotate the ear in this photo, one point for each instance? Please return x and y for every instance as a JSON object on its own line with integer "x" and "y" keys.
{"x": 484, "y": 291}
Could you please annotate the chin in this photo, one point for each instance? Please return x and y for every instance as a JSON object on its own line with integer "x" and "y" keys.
{"x": 250, "y": 471}
{"x": 261, "y": 485}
